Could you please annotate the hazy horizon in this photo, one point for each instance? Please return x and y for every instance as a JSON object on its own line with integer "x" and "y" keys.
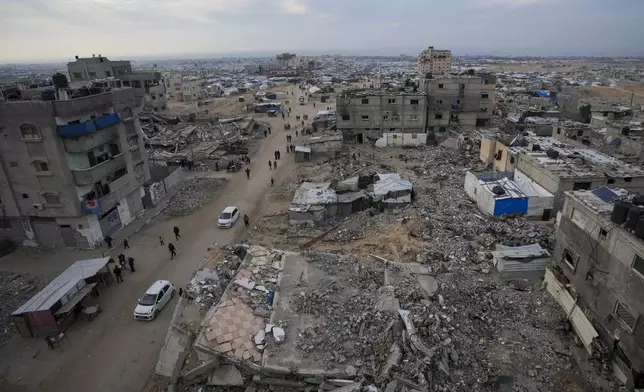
{"x": 135, "y": 29}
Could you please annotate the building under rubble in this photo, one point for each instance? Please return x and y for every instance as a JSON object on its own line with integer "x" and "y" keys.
{"x": 600, "y": 258}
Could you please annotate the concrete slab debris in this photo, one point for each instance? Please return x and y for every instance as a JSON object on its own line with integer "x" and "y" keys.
{"x": 227, "y": 376}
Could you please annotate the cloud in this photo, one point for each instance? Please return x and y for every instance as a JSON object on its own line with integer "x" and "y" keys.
{"x": 394, "y": 24}
{"x": 294, "y": 7}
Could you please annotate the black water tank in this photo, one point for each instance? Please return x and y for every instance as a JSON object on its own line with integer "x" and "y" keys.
{"x": 48, "y": 95}
{"x": 638, "y": 200}
{"x": 620, "y": 212}
{"x": 626, "y": 130}
{"x": 632, "y": 218}
{"x": 60, "y": 81}
{"x": 552, "y": 154}
{"x": 498, "y": 190}
{"x": 639, "y": 228}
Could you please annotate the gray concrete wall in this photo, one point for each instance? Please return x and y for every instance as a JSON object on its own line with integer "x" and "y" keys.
{"x": 18, "y": 156}
{"x": 386, "y": 113}
{"x": 468, "y": 98}
{"x": 603, "y": 274}
{"x": 23, "y": 188}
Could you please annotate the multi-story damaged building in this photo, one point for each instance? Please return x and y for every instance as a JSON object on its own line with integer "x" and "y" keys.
{"x": 600, "y": 258}
{"x": 367, "y": 114}
{"x": 90, "y": 68}
{"x": 186, "y": 89}
{"x": 559, "y": 167}
{"x": 463, "y": 101}
{"x": 434, "y": 61}
{"x": 71, "y": 170}
{"x": 149, "y": 89}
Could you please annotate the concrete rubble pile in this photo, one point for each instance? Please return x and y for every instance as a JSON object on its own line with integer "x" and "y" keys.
{"x": 203, "y": 142}
{"x": 193, "y": 194}
{"x": 15, "y": 289}
{"x": 452, "y": 226}
{"x": 344, "y": 166}
{"x": 352, "y": 326}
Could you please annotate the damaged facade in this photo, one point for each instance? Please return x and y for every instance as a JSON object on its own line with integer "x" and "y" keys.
{"x": 600, "y": 258}
{"x": 72, "y": 170}
{"x": 368, "y": 114}
{"x": 461, "y": 101}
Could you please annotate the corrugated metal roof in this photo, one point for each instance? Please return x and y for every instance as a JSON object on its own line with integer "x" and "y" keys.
{"x": 62, "y": 284}
{"x": 303, "y": 149}
{"x": 310, "y": 193}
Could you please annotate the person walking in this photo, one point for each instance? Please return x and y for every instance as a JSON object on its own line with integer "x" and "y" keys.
{"x": 122, "y": 260}
{"x": 248, "y": 173}
{"x": 295, "y": 133}
{"x": 246, "y": 220}
{"x": 216, "y": 166}
{"x": 283, "y": 116}
{"x": 117, "y": 273}
{"x": 176, "y": 233}
{"x": 279, "y": 156}
{"x": 275, "y": 165}
{"x": 173, "y": 250}
{"x": 288, "y": 147}
{"x": 126, "y": 245}
{"x": 161, "y": 240}
{"x": 270, "y": 165}
{"x": 265, "y": 133}
{"x": 272, "y": 182}
{"x": 269, "y": 130}
{"x": 108, "y": 241}
{"x": 130, "y": 261}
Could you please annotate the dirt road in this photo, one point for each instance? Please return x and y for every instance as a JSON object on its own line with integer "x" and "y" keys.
{"x": 115, "y": 352}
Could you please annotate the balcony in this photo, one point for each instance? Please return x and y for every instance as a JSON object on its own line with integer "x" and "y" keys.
{"x": 77, "y": 107}
{"x": 107, "y": 120}
{"x": 86, "y": 143}
{"x": 76, "y": 130}
{"x": 98, "y": 172}
{"x": 108, "y": 201}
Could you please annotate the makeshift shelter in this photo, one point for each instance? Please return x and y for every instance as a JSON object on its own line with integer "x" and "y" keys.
{"x": 391, "y": 191}
{"x": 53, "y": 308}
{"x": 521, "y": 262}
{"x": 302, "y": 153}
{"x": 313, "y": 202}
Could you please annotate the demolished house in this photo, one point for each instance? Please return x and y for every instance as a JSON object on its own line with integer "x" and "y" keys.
{"x": 319, "y": 146}
{"x": 200, "y": 141}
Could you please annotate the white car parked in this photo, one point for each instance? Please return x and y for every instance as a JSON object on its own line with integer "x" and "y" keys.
{"x": 228, "y": 217}
{"x": 154, "y": 299}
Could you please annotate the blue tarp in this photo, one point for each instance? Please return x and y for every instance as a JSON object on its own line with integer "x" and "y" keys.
{"x": 76, "y": 130}
{"x": 511, "y": 205}
{"x": 543, "y": 93}
{"x": 107, "y": 120}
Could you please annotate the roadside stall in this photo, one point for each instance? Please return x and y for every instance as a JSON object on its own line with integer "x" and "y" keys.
{"x": 55, "y": 308}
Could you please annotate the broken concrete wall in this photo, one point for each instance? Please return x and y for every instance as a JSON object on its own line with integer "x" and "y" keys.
{"x": 602, "y": 276}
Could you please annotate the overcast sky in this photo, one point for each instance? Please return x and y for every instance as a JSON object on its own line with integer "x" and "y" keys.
{"x": 39, "y": 30}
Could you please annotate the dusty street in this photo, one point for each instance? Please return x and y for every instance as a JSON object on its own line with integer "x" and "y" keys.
{"x": 114, "y": 352}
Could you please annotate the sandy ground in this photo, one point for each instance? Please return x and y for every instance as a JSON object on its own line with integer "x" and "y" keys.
{"x": 114, "y": 352}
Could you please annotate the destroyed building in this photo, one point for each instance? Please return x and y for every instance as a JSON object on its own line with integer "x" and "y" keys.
{"x": 600, "y": 257}
{"x": 463, "y": 101}
{"x": 203, "y": 142}
{"x": 368, "y": 114}
{"x": 560, "y": 167}
{"x": 72, "y": 169}
{"x": 185, "y": 88}
{"x": 86, "y": 69}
